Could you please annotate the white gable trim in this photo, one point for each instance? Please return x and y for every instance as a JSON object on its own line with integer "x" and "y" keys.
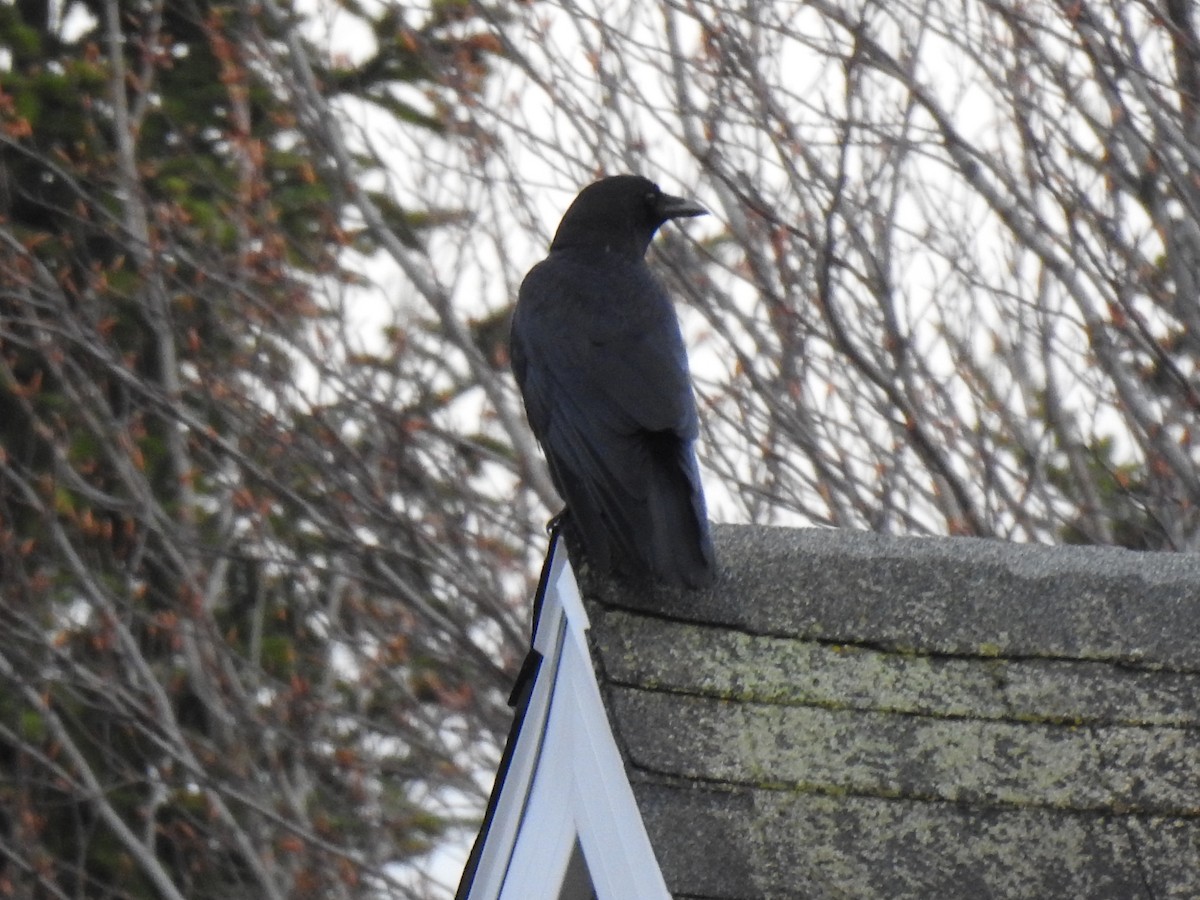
{"x": 565, "y": 780}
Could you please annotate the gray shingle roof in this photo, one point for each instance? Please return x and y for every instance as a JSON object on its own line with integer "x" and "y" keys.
{"x": 854, "y": 715}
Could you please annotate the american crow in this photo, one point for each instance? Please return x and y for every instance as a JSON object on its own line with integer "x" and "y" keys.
{"x": 600, "y": 361}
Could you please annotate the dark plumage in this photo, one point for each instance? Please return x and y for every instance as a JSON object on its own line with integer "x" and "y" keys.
{"x": 598, "y": 355}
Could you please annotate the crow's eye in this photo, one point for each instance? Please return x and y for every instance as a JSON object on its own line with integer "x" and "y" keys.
{"x": 651, "y": 198}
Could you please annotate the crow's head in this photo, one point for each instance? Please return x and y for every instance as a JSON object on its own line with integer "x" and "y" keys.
{"x": 620, "y": 214}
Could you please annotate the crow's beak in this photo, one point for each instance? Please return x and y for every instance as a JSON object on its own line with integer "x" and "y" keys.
{"x": 678, "y": 208}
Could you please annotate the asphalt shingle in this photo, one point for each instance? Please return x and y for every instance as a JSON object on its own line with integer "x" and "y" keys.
{"x": 855, "y": 715}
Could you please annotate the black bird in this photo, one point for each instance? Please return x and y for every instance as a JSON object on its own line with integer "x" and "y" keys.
{"x": 600, "y": 361}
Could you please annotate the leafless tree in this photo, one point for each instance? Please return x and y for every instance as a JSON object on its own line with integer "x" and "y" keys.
{"x": 262, "y": 579}
{"x": 952, "y": 282}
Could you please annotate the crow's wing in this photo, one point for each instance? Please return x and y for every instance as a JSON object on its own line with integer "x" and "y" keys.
{"x": 607, "y": 334}
{"x": 601, "y": 363}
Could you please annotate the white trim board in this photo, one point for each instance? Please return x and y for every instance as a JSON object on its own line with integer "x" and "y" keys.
{"x": 566, "y": 781}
